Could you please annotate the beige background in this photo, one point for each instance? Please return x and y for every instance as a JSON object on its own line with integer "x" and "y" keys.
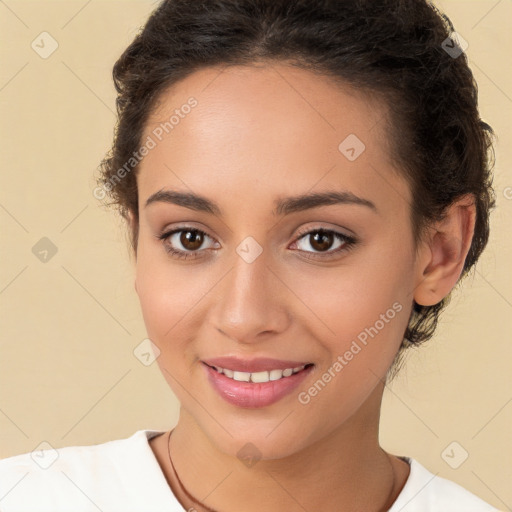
{"x": 68, "y": 374}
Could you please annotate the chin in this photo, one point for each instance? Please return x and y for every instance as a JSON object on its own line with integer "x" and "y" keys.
{"x": 253, "y": 449}
{"x": 251, "y": 442}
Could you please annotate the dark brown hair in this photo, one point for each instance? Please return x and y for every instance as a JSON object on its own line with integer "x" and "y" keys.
{"x": 398, "y": 50}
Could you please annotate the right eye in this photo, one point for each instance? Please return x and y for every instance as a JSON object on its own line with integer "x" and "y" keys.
{"x": 191, "y": 239}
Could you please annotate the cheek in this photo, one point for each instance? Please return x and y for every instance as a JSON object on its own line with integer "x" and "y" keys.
{"x": 174, "y": 301}
{"x": 363, "y": 319}
{"x": 166, "y": 294}
{"x": 167, "y": 300}
{"x": 344, "y": 303}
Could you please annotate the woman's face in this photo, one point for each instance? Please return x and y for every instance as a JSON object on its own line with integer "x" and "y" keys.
{"x": 256, "y": 285}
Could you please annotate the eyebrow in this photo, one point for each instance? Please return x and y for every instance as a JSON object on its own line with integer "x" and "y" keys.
{"x": 283, "y": 206}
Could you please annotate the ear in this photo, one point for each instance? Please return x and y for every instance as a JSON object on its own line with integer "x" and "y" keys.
{"x": 442, "y": 256}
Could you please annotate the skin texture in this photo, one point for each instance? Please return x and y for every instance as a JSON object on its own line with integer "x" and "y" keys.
{"x": 257, "y": 134}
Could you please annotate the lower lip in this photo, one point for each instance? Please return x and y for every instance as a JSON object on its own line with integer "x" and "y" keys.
{"x": 254, "y": 395}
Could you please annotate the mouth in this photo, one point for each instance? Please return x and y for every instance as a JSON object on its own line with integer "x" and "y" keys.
{"x": 261, "y": 387}
{"x": 259, "y": 377}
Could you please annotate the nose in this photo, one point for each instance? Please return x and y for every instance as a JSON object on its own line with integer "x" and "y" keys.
{"x": 251, "y": 304}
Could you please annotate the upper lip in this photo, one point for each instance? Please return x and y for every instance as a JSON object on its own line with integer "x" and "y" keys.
{"x": 259, "y": 364}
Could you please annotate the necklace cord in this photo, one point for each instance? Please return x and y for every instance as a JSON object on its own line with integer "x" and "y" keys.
{"x": 182, "y": 487}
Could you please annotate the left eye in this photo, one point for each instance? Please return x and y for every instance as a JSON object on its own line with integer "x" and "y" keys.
{"x": 321, "y": 240}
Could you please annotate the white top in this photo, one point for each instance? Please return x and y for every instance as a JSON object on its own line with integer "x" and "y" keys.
{"x": 124, "y": 476}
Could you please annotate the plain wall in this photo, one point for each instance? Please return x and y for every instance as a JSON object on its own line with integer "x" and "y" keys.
{"x": 69, "y": 325}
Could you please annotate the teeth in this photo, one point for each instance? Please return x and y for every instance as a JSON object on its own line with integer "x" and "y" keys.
{"x": 258, "y": 377}
{"x": 276, "y": 374}
{"x": 242, "y": 376}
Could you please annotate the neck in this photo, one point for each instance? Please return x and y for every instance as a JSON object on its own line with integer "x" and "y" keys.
{"x": 344, "y": 470}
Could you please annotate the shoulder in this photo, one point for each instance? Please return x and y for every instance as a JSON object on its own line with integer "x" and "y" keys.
{"x": 426, "y": 492}
{"x": 80, "y": 477}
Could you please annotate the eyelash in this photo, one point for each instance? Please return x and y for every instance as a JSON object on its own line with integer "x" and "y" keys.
{"x": 349, "y": 242}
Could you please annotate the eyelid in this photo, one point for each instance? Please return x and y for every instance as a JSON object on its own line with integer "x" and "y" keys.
{"x": 305, "y": 231}
{"x": 301, "y": 232}
{"x": 168, "y": 232}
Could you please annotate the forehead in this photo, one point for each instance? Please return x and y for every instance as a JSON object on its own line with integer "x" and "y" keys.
{"x": 289, "y": 102}
{"x": 274, "y": 127}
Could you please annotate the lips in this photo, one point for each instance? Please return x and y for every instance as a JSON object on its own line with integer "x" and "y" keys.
{"x": 255, "y": 383}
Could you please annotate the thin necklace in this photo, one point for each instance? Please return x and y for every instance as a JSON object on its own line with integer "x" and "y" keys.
{"x": 197, "y": 502}
{"x": 182, "y": 487}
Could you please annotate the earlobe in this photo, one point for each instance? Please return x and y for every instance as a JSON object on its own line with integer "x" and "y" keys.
{"x": 131, "y": 219}
{"x": 443, "y": 255}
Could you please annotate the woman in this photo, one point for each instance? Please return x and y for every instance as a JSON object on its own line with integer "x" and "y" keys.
{"x": 304, "y": 184}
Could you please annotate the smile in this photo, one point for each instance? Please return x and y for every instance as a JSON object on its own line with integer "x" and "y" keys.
{"x": 259, "y": 377}
{"x": 257, "y": 388}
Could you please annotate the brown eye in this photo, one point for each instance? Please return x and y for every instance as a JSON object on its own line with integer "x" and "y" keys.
{"x": 321, "y": 240}
{"x": 191, "y": 240}
{"x": 324, "y": 243}
{"x": 184, "y": 242}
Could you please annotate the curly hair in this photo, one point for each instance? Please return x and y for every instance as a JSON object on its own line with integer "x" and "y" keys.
{"x": 394, "y": 49}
